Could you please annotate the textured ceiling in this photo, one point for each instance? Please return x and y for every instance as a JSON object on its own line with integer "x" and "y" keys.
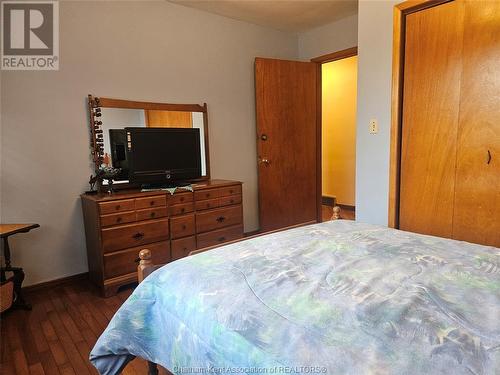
{"x": 285, "y": 15}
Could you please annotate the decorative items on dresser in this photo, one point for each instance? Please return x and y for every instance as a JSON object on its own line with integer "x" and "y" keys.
{"x": 118, "y": 226}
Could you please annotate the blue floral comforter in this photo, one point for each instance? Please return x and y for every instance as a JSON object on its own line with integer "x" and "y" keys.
{"x": 338, "y": 297}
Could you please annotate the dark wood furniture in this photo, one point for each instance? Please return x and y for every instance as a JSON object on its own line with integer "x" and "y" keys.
{"x": 7, "y": 230}
{"x": 118, "y": 226}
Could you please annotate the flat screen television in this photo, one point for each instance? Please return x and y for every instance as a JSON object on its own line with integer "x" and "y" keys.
{"x": 163, "y": 156}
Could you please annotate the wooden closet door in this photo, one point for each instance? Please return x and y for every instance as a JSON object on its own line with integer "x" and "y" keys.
{"x": 285, "y": 100}
{"x": 477, "y": 197}
{"x": 431, "y": 96}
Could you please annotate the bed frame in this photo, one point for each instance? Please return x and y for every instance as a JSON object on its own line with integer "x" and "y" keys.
{"x": 146, "y": 265}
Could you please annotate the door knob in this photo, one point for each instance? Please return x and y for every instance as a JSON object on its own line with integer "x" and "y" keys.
{"x": 263, "y": 137}
{"x": 264, "y": 161}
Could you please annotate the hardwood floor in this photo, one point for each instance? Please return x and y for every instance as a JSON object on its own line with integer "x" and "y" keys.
{"x": 327, "y": 211}
{"x": 57, "y": 335}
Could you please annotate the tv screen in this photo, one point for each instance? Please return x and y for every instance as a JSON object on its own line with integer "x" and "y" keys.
{"x": 163, "y": 155}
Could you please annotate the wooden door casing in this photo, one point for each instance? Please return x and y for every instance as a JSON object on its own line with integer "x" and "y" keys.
{"x": 286, "y": 114}
{"x": 477, "y": 195}
{"x": 431, "y": 97}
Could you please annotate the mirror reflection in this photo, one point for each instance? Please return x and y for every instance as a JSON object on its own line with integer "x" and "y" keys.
{"x": 116, "y": 119}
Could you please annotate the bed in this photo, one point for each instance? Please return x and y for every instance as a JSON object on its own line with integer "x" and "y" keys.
{"x": 338, "y": 297}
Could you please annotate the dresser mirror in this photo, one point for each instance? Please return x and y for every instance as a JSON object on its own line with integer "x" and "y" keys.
{"x": 109, "y": 117}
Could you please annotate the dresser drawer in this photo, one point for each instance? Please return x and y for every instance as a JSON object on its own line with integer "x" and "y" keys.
{"x": 180, "y": 198}
{"x": 229, "y": 190}
{"x": 119, "y": 218}
{"x": 219, "y": 236}
{"x": 180, "y": 209}
{"x": 123, "y": 262}
{"x": 150, "y": 202}
{"x": 218, "y": 218}
{"x": 206, "y": 204}
{"x": 182, "y": 247}
{"x": 229, "y": 200}
{"x": 182, "y": 226}
{"x": 116, "y": 206}
{"x": 131, "y": 235}
{"x": 206, "y": 194}
{"x": 151, "y": 213}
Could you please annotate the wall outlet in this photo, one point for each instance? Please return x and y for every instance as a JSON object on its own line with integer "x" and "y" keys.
{"x": 373, "y": 128}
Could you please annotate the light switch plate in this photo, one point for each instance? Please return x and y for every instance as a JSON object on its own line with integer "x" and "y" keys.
{"x": 373, "y": 127}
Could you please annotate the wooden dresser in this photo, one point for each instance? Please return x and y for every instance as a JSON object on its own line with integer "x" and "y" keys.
{"x": 118, "y": 226}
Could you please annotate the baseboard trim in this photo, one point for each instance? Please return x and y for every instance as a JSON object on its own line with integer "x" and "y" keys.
{"x": 328, "y": 201}
{"x": 56, "y": 282}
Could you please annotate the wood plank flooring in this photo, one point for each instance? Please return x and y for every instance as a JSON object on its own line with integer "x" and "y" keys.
{"x": 57, "y": 335}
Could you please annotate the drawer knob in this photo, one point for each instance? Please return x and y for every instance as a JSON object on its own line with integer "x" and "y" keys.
{"x": 220, "y": 239}
{"x": 152, "y": 203}
{"x": 153, "y": 214}
{"x": 232, "y": 200}
{"x": 118, "y": 219}
{"x": 231, "y": 191}
{"x": 117, "y": 207}
{"x": 138, "y": 235}
{"x": 182, "y": 199}
{"x": 220, "y": 219}
{"x": 183, "y": 226}
{"x": 183, "y": 209}
{"x": 207, "y": 195}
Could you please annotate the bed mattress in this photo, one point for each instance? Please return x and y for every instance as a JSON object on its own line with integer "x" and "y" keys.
{"x": 338, "y": 297}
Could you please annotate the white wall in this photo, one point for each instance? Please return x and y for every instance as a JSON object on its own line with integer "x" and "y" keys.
{"x": 374, "y": 101}
{"x": 329, "y": 38}
{"x": 152, "y": 51}
{"x": 371, "y": 31}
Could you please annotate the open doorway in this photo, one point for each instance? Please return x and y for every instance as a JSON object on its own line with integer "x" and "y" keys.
{"x": 338, "y": 132}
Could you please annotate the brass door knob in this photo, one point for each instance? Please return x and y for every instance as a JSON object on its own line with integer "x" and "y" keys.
{"x": 264, "y": 161}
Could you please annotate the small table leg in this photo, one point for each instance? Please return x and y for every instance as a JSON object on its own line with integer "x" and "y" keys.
{"x": 19, "y": 302}
{"x": 18, "y": 278}
{"x": 6, "y": 251}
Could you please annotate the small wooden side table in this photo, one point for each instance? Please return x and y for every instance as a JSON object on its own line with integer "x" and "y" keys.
{"x": 7, "y": 230}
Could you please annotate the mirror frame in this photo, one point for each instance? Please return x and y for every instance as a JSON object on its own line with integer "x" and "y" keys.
{"x": 97, "y": 147}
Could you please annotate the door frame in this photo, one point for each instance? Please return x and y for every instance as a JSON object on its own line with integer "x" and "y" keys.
{"x": 398, "y": 49}
{"x": 320, "y": 60}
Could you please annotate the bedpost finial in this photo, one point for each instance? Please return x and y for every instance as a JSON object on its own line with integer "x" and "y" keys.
{"x": 336, "y": 213}
{"x": 145, "y": 254}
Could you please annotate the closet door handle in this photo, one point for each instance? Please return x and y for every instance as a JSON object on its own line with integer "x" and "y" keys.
{"x": 489, "y": 157}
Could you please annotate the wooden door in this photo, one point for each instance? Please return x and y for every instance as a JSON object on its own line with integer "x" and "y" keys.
{"x": 477, "y": 197}
{"x": 431, "y": 97}
{"x": 168, "y": 119}
{"x": 286, "y": 142}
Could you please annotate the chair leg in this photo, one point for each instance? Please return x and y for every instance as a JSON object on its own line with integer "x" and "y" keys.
{"x": 152, "y": 368}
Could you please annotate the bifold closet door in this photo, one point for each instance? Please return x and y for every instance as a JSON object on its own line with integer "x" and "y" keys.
{"x": 477, "y": 197}
{"x": 431, "y": 97}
